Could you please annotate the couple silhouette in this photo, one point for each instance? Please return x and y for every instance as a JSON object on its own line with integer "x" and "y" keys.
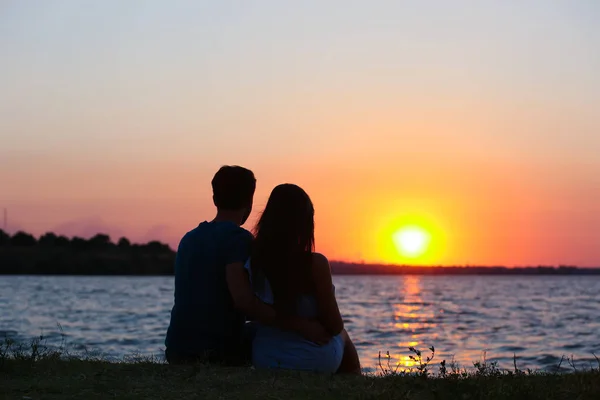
{"x": 266, "y": 299}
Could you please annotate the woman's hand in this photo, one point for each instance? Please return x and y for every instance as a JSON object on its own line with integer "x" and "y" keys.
{"x": 313, "y": 331}
{"x": 310, "y": 329}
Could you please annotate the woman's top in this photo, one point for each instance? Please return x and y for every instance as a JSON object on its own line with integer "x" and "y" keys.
{"x": 275, "y": 348}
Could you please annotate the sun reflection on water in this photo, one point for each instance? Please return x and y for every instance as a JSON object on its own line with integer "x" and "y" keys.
{"x": 411, "y": 314}
{"x": 411, "y": 317}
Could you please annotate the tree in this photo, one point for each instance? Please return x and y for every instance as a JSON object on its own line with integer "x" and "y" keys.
{"x": 4, "y": 238}
{"x": 124, "y": 243}
{"x": 99, "y": 241}
{"x": 78, "y": 243}
{"x": 62, "y": 241}
{"x": 48, "y": 239}
{"x": 23, "y": 239}
{"x": 157, "y": 247}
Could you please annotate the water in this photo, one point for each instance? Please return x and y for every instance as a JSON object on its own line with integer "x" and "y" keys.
{"x": 539, "y": 319}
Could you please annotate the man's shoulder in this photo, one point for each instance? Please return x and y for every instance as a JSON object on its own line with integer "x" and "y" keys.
{"x": 191, "y": 232}
{"x": 217, "y": 232}
{"x": 230, "y": 230}
{"x": 192, "y": 236}
{"x": 243, "y": 233}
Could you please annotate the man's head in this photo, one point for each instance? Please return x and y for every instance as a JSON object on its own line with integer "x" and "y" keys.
{"x": 233, "y": 190}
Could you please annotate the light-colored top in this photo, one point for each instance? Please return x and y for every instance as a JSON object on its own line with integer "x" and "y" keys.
{"x": 274, "y": 348}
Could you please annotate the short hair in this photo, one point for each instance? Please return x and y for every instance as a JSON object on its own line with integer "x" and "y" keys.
{"x": 233, "y": 187}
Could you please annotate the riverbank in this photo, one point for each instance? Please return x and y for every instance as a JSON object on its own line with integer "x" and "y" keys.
{"x": 54, "y": 379}
{"x": 40, "y": 373}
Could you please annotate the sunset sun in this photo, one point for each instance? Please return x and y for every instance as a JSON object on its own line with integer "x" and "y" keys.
{"x": 411, "y": 241}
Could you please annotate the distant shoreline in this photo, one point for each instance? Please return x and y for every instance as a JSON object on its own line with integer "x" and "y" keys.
{"x": 54, "y": 255}
{"x": 340, "y": 268}
{"x": 337, "y": 269}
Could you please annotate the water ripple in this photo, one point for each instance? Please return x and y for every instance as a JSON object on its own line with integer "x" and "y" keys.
{"x": 535, "y": 319}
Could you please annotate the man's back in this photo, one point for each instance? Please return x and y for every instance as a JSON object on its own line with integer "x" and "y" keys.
{"x": 203, "y": 318}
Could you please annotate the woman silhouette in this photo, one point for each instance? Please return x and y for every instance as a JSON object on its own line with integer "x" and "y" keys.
{"x": 286, "y": 273}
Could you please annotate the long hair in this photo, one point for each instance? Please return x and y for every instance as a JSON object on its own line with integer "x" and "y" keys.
{"x": 283, "y": 245}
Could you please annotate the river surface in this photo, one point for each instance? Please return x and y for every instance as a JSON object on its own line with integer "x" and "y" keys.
{"x": 539, "y": 319}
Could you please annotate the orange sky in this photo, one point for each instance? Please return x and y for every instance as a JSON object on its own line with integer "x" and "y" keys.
{"x": 115, "y": 118}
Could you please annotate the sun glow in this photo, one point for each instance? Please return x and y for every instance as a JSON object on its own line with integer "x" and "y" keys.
{"x": 414, "y": 238}
{"x": 411, "y": 241}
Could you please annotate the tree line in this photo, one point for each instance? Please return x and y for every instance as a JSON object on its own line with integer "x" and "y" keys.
{"x": 99, "y": 241}
{"x": 52, "y": 254}
{"x": 23, "y": 253}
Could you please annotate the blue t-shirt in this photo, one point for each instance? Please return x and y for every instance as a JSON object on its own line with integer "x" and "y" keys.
{"x": 203, "y": 317}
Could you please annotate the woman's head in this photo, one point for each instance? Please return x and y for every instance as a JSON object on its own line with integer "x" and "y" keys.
{"x": 284, "y": 242}
{"x": 288, "y": 220}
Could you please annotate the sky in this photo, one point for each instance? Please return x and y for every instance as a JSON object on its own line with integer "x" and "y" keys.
{"x": 476, "y": 121}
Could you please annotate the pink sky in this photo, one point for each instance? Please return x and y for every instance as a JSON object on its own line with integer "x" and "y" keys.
{"x": 478, "y": 122}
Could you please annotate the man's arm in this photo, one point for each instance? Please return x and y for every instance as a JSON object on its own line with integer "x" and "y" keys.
{"x": 244, "y": 298}
{"x": 246, "y": 301}
{"x": 238, "y": 282}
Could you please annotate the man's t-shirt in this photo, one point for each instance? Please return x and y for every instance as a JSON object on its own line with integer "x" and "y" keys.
{"x": 203, "y": 318}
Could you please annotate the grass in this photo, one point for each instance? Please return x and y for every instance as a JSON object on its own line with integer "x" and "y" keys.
{"x": 37, "y": 372}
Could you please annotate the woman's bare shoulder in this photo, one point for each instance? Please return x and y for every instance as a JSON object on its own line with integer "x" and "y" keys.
{"x": 320, "y": 262}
